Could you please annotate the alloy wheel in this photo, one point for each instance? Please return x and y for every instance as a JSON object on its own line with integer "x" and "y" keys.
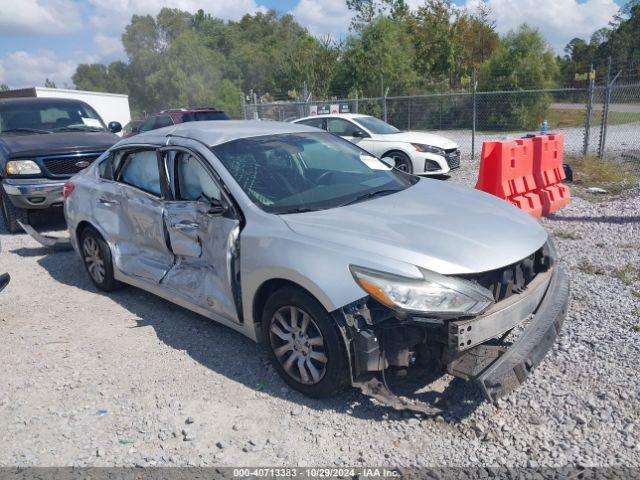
{"x": 93, "y": 259}
{"x": 402, "y": 163}
{"x": 298, "y": 345}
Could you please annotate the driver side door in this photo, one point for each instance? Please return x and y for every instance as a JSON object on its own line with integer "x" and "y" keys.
{"x": 202, "y": 231}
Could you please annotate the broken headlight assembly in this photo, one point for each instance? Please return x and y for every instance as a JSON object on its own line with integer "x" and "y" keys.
{"x": 434, "y": 295}
{"x": 22, "y": 167}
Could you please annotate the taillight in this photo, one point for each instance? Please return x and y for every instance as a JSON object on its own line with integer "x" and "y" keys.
{"x": 67, "y": 189}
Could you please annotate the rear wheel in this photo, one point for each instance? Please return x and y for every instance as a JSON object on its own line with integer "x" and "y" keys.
{"x": 11, "y": 214}
{"x": 403, "y": 162}
{"x": 304, "y": 344}
{"x": 96, "y": 257}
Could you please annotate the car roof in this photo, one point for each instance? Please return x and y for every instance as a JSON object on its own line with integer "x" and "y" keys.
{"x": 214, "y": 132}
{"x": 334, "y": 115}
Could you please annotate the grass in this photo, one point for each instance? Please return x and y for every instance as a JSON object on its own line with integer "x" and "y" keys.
{"x": 558, "y": 118}
{"x": 627, "y": 274}
{"x": 590, "y": 269}
{"x": 568, "y": 235}
{"x": 591, "y": 171}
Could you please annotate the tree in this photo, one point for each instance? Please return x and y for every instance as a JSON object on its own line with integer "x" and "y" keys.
{"x": 383, "y": 49}
{"x": 522, "y": 61}
{"x": 49, "y": 83}
{"x": 4, "y": 87}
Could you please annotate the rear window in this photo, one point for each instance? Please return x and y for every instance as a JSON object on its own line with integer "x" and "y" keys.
{"x": 204, "y": 116}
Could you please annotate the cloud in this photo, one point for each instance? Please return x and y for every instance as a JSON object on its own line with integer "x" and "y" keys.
{"x": 114, "y": 15}
{"x": 559, "y": 21}
{"x": 45, "y": 17}
{"x": 21, "y": 69}
{"x": 323, "y": 17}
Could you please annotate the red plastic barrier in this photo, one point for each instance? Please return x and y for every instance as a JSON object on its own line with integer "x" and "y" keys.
{"x": 548, "y": 172}
{"x": 506, "y": 171}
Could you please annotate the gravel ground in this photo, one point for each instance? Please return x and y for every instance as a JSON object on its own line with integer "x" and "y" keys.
{"x": 128, "y": 379}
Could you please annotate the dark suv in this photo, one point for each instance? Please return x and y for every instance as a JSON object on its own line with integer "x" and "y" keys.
{"x": 43, "y": 141}
{"x": 170, "y": 117}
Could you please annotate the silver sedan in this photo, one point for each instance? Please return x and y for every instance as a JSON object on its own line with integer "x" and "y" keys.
{"x": 343, "y": 266}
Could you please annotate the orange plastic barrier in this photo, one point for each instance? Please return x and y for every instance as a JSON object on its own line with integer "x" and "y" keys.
{"x": 548, "y": 172}
{"x": 506, "y": 171}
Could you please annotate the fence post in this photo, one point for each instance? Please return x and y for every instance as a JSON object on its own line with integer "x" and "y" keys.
{"x": 254, "y": 98}
{"x": 243, "y": 106}
{"x": 605, "y": 110}
{"x": 474, "y": 116}
{"x": 305, "y": 98}
{"x": 384, "y": 98}
{"x": 587, "y": 118}
{"x": 356, "y": 109}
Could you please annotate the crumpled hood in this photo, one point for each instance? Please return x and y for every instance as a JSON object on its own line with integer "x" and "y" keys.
{"x": 61, "y": 142}
{"x": 446, "y": 228}
{"x": 419, "y": 137}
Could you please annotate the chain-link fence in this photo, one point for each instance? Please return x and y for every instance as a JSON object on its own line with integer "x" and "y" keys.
{"x": 596, "y": 120}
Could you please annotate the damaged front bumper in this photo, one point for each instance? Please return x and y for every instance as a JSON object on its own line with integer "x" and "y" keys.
{"x": 479, "y": 349}
{"x": 512, "y": 368}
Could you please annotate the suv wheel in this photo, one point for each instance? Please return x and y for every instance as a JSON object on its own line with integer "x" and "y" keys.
{"x": 304, "y": 343}
{"x": 96, "y": 257}
{"x": 11, "y": 214}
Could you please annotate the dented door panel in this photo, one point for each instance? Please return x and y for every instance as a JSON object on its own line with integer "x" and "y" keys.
{"x": 205, "y": 256}
{"x": 141, "y": 249}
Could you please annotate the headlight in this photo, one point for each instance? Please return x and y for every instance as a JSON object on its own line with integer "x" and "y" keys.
{"x": 428, "y": 149}
{"x": 22, "y": 167}
{"x": 434, "y": 294}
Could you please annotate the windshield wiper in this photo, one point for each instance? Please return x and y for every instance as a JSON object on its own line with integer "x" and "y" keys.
{"x": 81, "y": 128}
{"x": 27, "y": 130}
{"x": 299, "y": 210}
{"x": 368, "y": 195}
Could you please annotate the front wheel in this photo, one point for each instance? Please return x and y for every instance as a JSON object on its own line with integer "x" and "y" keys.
{"x": 304, "y": 344}
{"x": 403, "y": 162}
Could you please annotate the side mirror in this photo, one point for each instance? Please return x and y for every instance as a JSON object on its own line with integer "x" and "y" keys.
{"x": 115, "y": 127}
{"x": 389, "y": 162}
{"x": 217, "y": 208}
{"x": 360, "y": 134}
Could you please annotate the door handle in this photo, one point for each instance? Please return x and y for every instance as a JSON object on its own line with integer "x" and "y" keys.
{"x": 185, "y": 226}
{"x": 108, "y": 203}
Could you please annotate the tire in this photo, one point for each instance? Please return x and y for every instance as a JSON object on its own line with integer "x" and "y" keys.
{"x": 403, "y": 162}
{"x": 96, "y": 258}
{"x": 325, "y": 363}
{"x": 11, "y": 214}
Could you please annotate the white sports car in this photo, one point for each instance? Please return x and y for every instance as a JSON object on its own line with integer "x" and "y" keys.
{"x": 419, "y": 153}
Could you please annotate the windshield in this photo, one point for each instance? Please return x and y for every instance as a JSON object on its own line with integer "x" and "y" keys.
{"x": 296, "y": 172}
{"x": 41, "y": 117}
{"x": 376, "y": 126}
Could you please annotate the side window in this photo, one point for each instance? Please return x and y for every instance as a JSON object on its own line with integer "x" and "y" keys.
{"x": 140, "y": 170}
{"x": 192, "y": 181}
{"x": 341, "y": 127}
{"x": 148, "y": 124}
{"x": 313, "y": 122}
{"x": 163, "y": 121}
{"x": 105, "y": 167}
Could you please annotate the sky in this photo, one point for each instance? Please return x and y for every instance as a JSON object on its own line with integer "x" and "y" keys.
{"x": 48, "y": 38}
